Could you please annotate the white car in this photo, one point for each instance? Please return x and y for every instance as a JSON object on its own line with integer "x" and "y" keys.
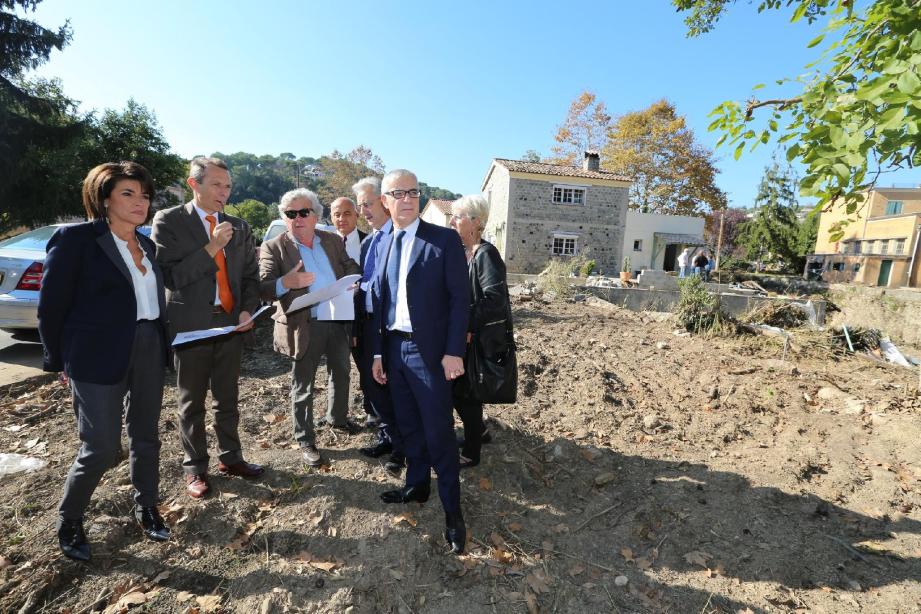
{"x": 278, "y": 226}
{"x": 22, "y": 259}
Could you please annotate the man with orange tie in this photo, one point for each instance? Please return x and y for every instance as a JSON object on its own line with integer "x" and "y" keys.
{"x": 211, "y": 275}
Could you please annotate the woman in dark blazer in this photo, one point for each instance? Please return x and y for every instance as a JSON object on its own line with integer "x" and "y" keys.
{"x": 487, "y": 281}
{"x": 102, "y": 320}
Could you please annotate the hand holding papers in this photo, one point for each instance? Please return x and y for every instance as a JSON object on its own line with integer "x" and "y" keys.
{"x": 338, "y": 295}
{"x": 198, "y": 335}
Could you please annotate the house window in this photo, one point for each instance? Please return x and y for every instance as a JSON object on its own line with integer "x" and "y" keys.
{"x": 638, "y": 245}
{"x": 884, "y": 247}
{"x": 894, "y": 207}
{"x": 564, "y": 245}
{"x": 838, "y": 266}
{"x": 568, "y": 195}
{"x": 899, "y": 247}
{"x": 855, "y": 247}
{"x": 856, "y": 267}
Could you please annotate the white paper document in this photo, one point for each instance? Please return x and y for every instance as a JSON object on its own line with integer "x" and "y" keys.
{"x": 198, "y": 335}
{"x": 334, "y": 302}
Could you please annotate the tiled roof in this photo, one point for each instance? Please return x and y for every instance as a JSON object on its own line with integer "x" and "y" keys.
{"x": 442, "y": 205}
{"x": 900, "y": 193}
{"x": 561, "y": 170}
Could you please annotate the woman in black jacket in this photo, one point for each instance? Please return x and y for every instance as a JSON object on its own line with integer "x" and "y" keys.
{"x": 489, "y": 305}
{"x": 102, "y": 320}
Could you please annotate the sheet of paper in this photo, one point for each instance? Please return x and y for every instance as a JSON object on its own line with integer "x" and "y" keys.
{"x": 333, "y": 290}
{"x": 198, "y": 335}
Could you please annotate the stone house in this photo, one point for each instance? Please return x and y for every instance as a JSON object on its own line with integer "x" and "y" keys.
{"x": 539, "y": 211}
{"x": 438, "y": 212}
{"x": 880, "y": 245}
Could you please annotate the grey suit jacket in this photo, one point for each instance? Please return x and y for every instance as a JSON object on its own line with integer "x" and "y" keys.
{"x": 277, "y": 257}
{"x": 189, "y": 273}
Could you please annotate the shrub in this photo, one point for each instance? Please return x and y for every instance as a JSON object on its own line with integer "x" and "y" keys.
{"x": 698, "y": 311}
{"x": 587, "y": 267}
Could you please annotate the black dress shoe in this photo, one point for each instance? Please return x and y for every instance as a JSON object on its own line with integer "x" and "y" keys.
{"x": 151, "y": 523}
{"x": 467, "y": 463}
{"x": 455, "y": 532}
{"x": 396, "y": 464}
{"x": 407, "y": 494}
{"x": 72, "y": 540}
{"x": 378, "y": 449}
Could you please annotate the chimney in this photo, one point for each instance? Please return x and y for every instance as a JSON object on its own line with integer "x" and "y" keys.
{"x": 590, "y": 163}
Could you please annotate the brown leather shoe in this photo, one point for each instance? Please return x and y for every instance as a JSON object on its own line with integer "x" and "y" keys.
{"x": 197, "y": 485}
{"x": 241, "y": 469}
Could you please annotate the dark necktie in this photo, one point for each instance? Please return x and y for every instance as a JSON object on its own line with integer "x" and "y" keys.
{"x": 371, "y": 257}
{"x": 393, "y": 276}
{"x": 345, "y": 240}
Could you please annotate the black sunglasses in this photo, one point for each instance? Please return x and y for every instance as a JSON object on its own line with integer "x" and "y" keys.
{"x": 300, "y": 212}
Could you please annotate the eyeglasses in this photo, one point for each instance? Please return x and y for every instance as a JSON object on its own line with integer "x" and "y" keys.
{"x": 300, "y": 212}
{"x": 460, "y": 216}
{"x": 398, "y": 194}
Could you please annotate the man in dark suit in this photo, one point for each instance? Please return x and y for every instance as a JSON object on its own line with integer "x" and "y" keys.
{"x": 295, "y": 262}
{"x": 376, "y": 397}
{"x": 421, "y": 303}
{"x": 212, "y": 280}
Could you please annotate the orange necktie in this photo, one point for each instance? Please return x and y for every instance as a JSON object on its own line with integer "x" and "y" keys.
{"x": 223, "y": 283}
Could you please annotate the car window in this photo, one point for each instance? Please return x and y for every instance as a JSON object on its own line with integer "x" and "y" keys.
{"x": 273, "y": 231}
{"x": 144, "y": 230}
{"x": 35, "y": 239}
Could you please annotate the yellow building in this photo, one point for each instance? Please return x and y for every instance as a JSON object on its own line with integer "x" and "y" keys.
{"x": 880, "y": 244}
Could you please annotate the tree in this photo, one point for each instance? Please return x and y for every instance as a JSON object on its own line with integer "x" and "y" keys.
{"x": 584, "y": 129}
{"x": 773, "y": 234}
{"x": 134, "y": 134}
{"x": 858, "y": 111}
{"x": 531, "y": 155}
{"x": 36, "y": 120}
{"x": 257, "y": 214}
{"x": 732, "y": 220}
{"x": 671, "y": 172}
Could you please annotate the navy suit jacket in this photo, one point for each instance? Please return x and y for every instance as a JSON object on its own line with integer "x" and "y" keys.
{"x": 437, "y": 292}
{"x": 87, "y": 312}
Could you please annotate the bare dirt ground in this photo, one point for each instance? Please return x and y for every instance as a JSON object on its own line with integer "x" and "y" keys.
{"x": 640, "y": 471}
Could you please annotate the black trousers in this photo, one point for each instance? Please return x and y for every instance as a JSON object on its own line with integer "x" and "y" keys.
{"x": 471, "y": 415}
{"x": 99, "y": 409}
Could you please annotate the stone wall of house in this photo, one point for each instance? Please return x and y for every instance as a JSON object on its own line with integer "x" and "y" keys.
{"x": 496, "y": 193}
{"x": 533, "y": 218}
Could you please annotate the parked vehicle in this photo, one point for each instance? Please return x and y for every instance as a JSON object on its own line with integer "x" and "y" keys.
{"x": 22, "y": 259}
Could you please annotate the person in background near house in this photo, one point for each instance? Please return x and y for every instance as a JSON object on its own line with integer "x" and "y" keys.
{"x": 711, "y": 264}
{"x": 700, "y": 265}
{"x": 102, "y": 321}
{"x": 291, "y": 264}
{"x": 488, "y": 304}
{"x": 345, "y": 219}
{"x": 209, "y": 268}
{"x": 376, "y": 397}
{"x": 683, "y": 262}
{"x": 421, "y": 304}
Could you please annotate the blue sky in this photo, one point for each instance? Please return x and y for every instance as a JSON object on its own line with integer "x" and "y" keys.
{"x": 435, "y": 87}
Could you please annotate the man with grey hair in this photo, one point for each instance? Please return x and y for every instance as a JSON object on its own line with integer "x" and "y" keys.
{"x": 344, "y": 216}
{"x": 376, "y": 397}
{"x": 421, "y": 303}
{"x": 290, "y": 265}
{"x": 208, "y": 260}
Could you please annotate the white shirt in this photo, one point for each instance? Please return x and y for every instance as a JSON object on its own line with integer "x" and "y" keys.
{"x": 201, "y": 214}
{"x": 145, "y": 285}
{"x": 401, "y": 319}
{"x": 366, "y": 285}
{"x": 353, "y": 245}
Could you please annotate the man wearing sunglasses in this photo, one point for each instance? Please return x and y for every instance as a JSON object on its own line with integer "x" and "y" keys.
{"x": 290, "y": 265}
{"x": 421, "y": 301}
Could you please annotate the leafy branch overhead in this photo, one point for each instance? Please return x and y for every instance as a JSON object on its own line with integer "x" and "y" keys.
{"x": 857, "y": 112}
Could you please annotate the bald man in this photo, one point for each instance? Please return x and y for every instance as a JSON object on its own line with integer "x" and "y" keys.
{"x": 345, "y": 218}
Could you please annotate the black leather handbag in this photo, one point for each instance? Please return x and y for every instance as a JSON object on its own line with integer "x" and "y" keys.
{"x": 491, "y": 365}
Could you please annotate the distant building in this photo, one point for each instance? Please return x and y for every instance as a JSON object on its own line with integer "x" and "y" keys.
{"x": 438, "y": 212}
{"x": 654, "y": 240}
{"x": 880, "y": 243}
{"x": 539, "y": 211}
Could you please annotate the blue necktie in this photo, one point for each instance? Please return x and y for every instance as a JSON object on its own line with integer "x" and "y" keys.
{"x": 371, "y": 257}
{"x": 393, "y": 276}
